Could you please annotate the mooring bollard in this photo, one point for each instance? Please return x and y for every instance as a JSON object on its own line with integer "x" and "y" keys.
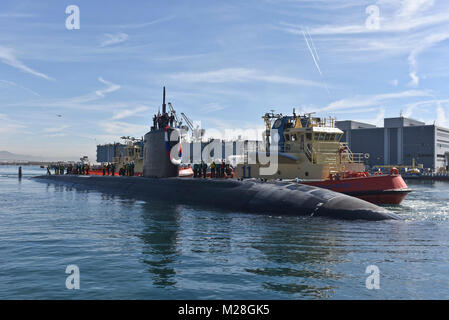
{"x": 20, "y": 172}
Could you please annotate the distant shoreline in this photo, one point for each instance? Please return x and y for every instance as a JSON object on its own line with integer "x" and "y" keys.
{"x": 29, "y": 163}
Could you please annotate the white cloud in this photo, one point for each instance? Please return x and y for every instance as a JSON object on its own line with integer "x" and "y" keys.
{"x": 394, "y": 82}
{"x": 212, "y": 107}
{"x": 414, "y": 78}
{"x": 55, "y": 129}
{"x": 16, "y": 15}
{"x": 240, "y": 75}
{"x": 120, "y": 114}
{"x": 111, "y": 87}
{"x": 13, "y": 84}
{"x": 119, "y": 128}
{"x": 8, "y": 126}
{"x": 371, "y": 100}
{"x": 114, "y": 39}
{"x": 410, "y": 8}
{"x": 423, "y": 106}
{"x": 378, "y": 120}
{"x": 7, "y": 56}
{"x": 424, "y": 44}
{"x": 410, "y": 14}
{"x": 83, "y": 102}
{"x": 351, "y": 111}
{"x": 145, "y": 24}
{"x": 441, "y": 115}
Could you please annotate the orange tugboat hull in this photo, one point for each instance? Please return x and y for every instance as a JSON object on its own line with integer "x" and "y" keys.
{"x": 378, "y": 189}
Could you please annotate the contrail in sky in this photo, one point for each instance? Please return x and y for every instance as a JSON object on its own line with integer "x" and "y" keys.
{"x": 311, "y": 52}
{"x": 314, "y": 55}
{"x": 313, "y": 44}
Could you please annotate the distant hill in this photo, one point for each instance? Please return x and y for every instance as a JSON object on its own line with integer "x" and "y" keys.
{"x": 8, "y": 156}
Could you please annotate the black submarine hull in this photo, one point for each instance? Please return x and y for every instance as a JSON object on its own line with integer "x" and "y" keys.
{"x": 273, "y": 198}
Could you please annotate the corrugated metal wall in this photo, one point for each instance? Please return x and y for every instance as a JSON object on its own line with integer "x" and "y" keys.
{"x": 369, "y": 141}
{"x": 106, "y": 152}
{"x": 418, "y": 142}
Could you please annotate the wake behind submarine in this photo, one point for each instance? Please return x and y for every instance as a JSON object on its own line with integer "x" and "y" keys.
{"x": 160, "y": 181}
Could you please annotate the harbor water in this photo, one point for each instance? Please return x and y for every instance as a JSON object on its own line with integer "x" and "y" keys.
{"x": 129, "y": 249}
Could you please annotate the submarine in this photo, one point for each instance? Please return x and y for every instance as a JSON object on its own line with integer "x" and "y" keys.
{"x": 160, "y": 181}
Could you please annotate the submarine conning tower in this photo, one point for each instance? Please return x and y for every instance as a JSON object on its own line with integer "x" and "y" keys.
{"x": 159, "y": 161}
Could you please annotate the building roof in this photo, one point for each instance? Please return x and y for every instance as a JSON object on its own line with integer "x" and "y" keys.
{"x": 396, "y": 122}
{"x": 401, "y": 122}
{"x": 351, "y": 124}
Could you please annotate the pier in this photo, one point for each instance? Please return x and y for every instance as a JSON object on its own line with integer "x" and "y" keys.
{"x": 440, "y": 176}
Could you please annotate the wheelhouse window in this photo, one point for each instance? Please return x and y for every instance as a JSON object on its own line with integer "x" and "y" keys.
{"x": 277, "y": 123}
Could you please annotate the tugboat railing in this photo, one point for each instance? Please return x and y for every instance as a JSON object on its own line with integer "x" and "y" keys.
{"x": 308, "y": 153}
{"x": 353, "y": 157}
{"x": 330, "y": 157}
{"x": 357, "y": 157}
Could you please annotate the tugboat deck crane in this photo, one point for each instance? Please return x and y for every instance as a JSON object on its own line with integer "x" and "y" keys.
{"x": 177, "y": 120}
{"x": 197, "y": 133}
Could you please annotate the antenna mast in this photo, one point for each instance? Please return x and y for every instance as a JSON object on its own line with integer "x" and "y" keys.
{"x": 163, "y": 103}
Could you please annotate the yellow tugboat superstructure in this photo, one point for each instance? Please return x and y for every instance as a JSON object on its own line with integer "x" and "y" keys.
{"x": 133, "y": 155}
{"x": 308, "y": 148}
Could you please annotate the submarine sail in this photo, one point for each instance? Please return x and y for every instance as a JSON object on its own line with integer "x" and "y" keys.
{"x": 158, "y": 145}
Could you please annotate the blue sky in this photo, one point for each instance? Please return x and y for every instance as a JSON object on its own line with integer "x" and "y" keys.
{"x": 223, "y": 62}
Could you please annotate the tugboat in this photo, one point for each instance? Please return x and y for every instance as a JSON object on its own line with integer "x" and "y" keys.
{"x": 310, "y": 151}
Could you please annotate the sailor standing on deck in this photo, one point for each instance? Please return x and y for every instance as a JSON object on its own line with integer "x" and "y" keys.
{"x": 222, "y": 169}
{"x": 212, "y": 169}
{"x": 159, "y": 125}
{"x": 155, "y": 122}
{"x": 228, "y": 170}
{"x": 204, "y": 167}
{"x": 195, "y": 170}
{"x": 172, "y": 119}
